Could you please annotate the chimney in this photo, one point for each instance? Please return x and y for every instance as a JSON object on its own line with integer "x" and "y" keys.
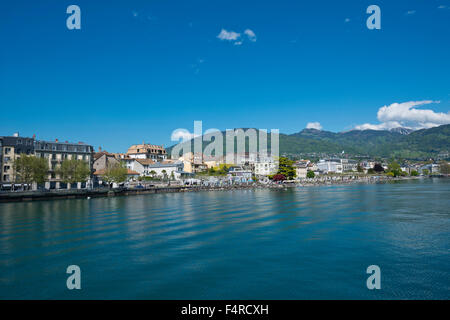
{"x": 34, "y": 136}
{"x": 56, "y": 140}
{"x": 100, "y": 149}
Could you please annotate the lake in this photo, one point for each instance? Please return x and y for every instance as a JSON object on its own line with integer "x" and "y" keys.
{"x": 300, "y": 243}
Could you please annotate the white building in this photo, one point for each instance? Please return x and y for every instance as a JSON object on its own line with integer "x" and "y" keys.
{"x": 265, "y": 168}
{"x": 329, "y": 166}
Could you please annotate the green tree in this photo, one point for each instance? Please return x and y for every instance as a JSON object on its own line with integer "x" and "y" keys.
{"x": 285, "y": 167}
{"x": 23, "y": 169}
{"x": 152, "y": 173}
{"x": 115, "y": 173}
{"x": 73, "y": 171}
{"x": 414, "y": 173}
{"x": 310, "y": 174}
{"x": 444, "y": 167}
{"x": 29, "y": 169}
{"x": 425, "y": 172}
{"x": 40, "y": 170}
{"x": 395, "y": 169}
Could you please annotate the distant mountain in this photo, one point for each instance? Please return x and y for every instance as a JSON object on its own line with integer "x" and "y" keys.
{"x": 402, "y": 130}
{"x": 399, "y": 142}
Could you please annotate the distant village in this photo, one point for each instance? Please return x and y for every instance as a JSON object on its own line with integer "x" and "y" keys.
{"x": 146, "y": 163}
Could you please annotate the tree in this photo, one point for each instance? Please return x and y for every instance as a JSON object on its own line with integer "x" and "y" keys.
{"x": 378, "y": 168}
{"x": 414, "y": 173}
{"x": 73, "y": 171}
{"x": 425, "y": 172}
{"x": 285, "y": 167}
{"x": 152, "y": 173}
{"x": 444, "y": 167}
{"x": 115, "y": 173}
{"x": 40, "y": 170}
{"x": 310, "y": 174}
{"x": 23, "y": 169}
{"x": 360, "y": 168}
{"x": 279, "y": 177}
{"x": 29, "y": 169}
{"x": 395, "y": 169}
{"x": 371, "y": 171}
{"x": 223, "y": 169}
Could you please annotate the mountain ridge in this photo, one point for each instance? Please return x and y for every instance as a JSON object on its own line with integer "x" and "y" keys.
{"x": 423, "y": 143}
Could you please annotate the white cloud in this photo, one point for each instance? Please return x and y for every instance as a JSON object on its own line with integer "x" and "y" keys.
{"x": 406, "y": 115}
{"x": 347, "y": 20}
{"x": 182, "y": 134}
{"x": 235, "y": 37}
{"x": 228, "y": 35}
{"x": 410, "y": 12}
{"x": 314, "y": 125}
{"x": 442, "y": 6}
{"x": 250, "y": 34}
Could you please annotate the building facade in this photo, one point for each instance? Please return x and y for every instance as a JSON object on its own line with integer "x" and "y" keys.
{"x": 55, "y": 152}
{"x": 11, "y": 147}
{"x": 147, "y": 151}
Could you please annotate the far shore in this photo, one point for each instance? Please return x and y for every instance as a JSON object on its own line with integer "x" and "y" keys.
{"x": 26, "y": 196}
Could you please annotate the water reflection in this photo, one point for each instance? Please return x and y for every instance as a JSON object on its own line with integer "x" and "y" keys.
{"x": 233, "y": 244}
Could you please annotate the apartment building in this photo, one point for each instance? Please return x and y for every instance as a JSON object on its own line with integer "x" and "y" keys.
{"x": 12, "y": 147}
{"x": 147, "y": 151}
{"x": 56, "y": 152}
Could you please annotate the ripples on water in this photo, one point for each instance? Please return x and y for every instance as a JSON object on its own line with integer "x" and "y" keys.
{"x": 303, "y": 243}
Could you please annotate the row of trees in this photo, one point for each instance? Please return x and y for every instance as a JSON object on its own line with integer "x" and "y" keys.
{"x": 29, "y": 169}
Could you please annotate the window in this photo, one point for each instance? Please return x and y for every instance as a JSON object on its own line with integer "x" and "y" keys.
{"x": 6, "y": 168}
{"x": 7, "y": 150}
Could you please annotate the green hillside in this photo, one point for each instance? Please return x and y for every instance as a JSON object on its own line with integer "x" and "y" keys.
{"x": 418, "y": 144}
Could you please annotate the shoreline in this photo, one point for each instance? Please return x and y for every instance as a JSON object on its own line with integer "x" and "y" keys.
{"x": 29, "y": 196}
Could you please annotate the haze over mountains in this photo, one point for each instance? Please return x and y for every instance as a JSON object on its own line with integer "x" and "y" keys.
{"x": 396, "y": 143}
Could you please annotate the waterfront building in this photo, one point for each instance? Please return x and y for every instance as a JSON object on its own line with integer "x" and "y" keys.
{"x": 147, "y": 151}
{"x": 11, "y": 147}
{"x": 193, "y": 163}
{"x": 329, "y": 166}
{"x": 301, "y": 169}
{"x": 265, "y": 168}
{"x": 56, "y": 152}
{"x": 14, "y": 146}
{"x": 103, "y": 160}
{"x": 167, "y": 169}
{"x": 239, "y": 171}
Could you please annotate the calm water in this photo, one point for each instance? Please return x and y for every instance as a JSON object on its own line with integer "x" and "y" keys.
{"x": 306, "y": 243}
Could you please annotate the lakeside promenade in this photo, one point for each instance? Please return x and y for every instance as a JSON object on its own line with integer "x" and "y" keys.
{"x": 19, "y": 196}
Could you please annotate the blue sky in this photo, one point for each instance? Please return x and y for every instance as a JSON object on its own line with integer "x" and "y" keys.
{"x": 137, "y": 70}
